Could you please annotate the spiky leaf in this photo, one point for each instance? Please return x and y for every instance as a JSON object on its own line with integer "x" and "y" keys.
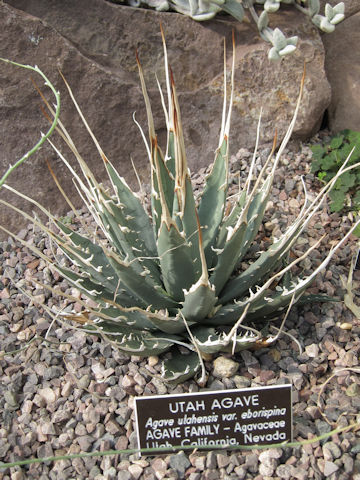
{"x": 180, "y": 367}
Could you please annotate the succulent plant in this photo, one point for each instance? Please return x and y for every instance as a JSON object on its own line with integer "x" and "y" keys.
{"x": 202, "y": 10}
{"x": 169, "y": 280}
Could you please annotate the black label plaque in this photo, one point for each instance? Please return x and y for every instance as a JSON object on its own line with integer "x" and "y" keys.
{"x": 250, "y": 416}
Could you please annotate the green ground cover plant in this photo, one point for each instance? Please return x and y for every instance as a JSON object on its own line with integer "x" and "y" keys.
{"x": 328, "y": 157}
{"x": 167, "y": 280}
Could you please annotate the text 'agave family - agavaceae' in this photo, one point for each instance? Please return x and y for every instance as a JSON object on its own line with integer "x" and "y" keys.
{"x": 170, "y": 280}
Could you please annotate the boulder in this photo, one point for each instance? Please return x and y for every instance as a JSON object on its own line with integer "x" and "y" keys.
{"x": 343, "y": 72}
{"x": 93, "y": 43}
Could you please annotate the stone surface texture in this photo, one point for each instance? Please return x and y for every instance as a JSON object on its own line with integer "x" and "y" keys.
{"x": 96, "y": 53}
{"x": 343, "y": 71}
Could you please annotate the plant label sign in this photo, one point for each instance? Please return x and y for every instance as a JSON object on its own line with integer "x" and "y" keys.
{"x": 250, "y": 416}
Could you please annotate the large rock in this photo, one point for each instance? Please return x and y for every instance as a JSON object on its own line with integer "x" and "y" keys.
{"x": 93, "y": 43}
{"x": 343, "y": 71}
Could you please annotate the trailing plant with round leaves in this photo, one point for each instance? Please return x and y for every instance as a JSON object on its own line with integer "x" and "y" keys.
{"x": 202, "y": 10}
{"x": 169, "y": 282}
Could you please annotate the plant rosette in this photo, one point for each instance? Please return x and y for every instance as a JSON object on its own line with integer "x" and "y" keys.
{"x": 169, "y": 281}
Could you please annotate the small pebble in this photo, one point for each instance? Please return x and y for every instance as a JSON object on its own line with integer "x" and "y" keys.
{"x": 152, "y": 361}
{"x": 224, "y": 367}
{"x": 312, "y": 350}
{"x": 48, "y": 395}
{"x": 346, "y": 326}
{"x": 179, "y": 462}
{"x": 330, "y": 468}
{"x": 353, "y": 390}
{"x": 135, "y": 471}
{"x": 84, "y": 382}
{"x": 11, "y": 398}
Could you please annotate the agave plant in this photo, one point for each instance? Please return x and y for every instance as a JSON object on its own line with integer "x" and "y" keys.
{"x": 169, "y": 280}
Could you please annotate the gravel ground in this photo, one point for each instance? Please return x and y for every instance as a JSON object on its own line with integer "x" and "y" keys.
{"x": 66, "y": 392}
